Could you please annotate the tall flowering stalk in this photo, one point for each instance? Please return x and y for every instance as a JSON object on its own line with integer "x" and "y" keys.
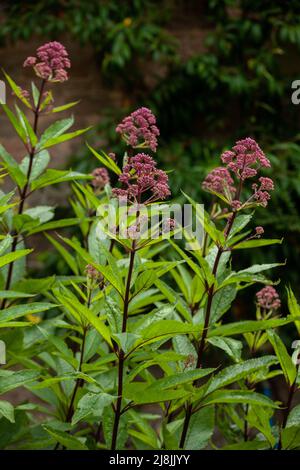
{"x": 50, "y": 66}
{"x": 241, "y": 164}
{"x": 142, "y": 183}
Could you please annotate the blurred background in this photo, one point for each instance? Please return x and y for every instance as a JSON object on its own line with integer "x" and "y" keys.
{"x": 213, "y": 71}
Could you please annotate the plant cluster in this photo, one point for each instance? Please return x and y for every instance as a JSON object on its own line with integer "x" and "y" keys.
{"x": 110, "y": 356}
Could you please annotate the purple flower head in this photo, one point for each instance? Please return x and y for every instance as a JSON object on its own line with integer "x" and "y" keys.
{"x": 139, "y": 129}
{"x": 261, "y": 192}
{"x": 92, "y": 272}
{"x": 51, "y": 62}
{"x": 101, "y": 178}
{"x": 219, "y": 181}
{"x": 259, "y": 230}
{"x": 268, "y": 298}
{"x": 245, "y": 158}
{"x": 139, "y": 176}
{"x": 168, "y": 225}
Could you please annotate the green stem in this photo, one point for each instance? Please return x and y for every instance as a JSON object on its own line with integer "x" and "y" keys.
{"x": 23, "y": 193}
{"x": 121, "y": 354}
{"x": 211, "y": 292}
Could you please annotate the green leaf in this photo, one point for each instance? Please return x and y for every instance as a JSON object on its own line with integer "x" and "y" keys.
{"x": 55, "y": 177}
{"x": 13, "y": 256}
{"x": 105, "y": 160}
{"x": 288, "y": 367}
{"x": 256, "y": 243}
{"x": 10, "y": 380}
{"x": 71, "y": 262}
{"x": 291, "y": 438}
{"x": 40, "y": 162}
{"x": 67, "y": 440}
{"x": 165, "y": 329}
{"x": 174, "y": 380}
{"x": 246, "y": 326}
{"x": 54, "y": 225}
{"x": 15, "y": 123}
{"x": 64, "y": 107}
{"x": 17, "y": 90}
{"x": 200, "y": 429}
{"x": 139, "y": 393}
{"x": 294, "y": 308}
{"x": 222, "y": 301}
{"x": 79, "y": 310}
{"x": 251, "y": 274}
{"x": 231, "y": 346}
{"x": 29, "y": 132}
{"x": 91, "y": 405}
{"x": 18, "y": 311}
{"x": 240, "y": 222}
{"x": 12, "y": 167}
{"x": 55, "y": 130}
{"x": 10, "y": 294}
{"x": 238, "y": 396}
{"x": 7, "y": 410}
{"x": 204, "y": 219}
{"x": 236, "y": 372}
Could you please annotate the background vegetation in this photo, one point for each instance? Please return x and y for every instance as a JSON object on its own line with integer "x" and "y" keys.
{"x": 239, "y": 85}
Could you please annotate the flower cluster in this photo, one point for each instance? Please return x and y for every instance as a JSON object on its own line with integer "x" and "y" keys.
{"x": 268, "y": 298}
{"x": 51, "y": 62}
{"x": 139, "y": 129}
{"x": 219, "y": 181}
{"x": 261, "y": 191}
{"x": 242, "y": 162}
{"x": 245, "y": 158}
{"x": 100, "y": 178}
{"x": 139, "y": 176}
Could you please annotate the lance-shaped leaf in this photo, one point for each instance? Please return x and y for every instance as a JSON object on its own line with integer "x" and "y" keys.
{"x": 251, "y": 274}
{"x": 238, "y": 396}
{"x": 201, "y": 428}
{"x": 15, "y": 123}
{"x": 39, "y": 164}
{"x": 10, "y": 380}
{"x": 78, "y": 310}
{"x": 12, "y": 167}
{"x": 237, "y": 328}
{"x": 17, "y": 90}
{"x": 256, "y": 243}
{"x": 55, "y": 177}
{"x": 105, "y": 160}
{"x": 66, "y": 440}
{"x": 18, "y": 311}
{"x": 287, "y": 365}
{"x": 13, "y": 256}
{"x": 294, "y": 308}
{"x": 236, "y": 372}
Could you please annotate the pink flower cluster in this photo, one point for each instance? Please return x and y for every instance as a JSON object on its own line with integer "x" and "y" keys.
{"x": 268, "y": 298}
{"x": 101, "y": 178}
{"x": 219, "y": 181}
{"x": 139, "y": 129}
{"x": 244, "y": 158}
{"x": 139, "y": 176}
{"x": 168, "y": 225}
{"x": 242, "y": 162}
{"x": 51, "y": 62}
{"x": 261, "y": 191}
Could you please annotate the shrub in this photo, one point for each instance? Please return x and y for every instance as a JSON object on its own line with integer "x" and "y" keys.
{"x": 127, "y": 337}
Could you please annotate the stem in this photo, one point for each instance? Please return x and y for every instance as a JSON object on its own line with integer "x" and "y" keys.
{"x": 121, "y": 354}
{"x": 23, "y": 192}
{"x": 211, "y": 291}
{"x": 246, "y": 423}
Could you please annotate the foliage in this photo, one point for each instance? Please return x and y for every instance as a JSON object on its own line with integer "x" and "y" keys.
{"x": 110, "y": 347}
